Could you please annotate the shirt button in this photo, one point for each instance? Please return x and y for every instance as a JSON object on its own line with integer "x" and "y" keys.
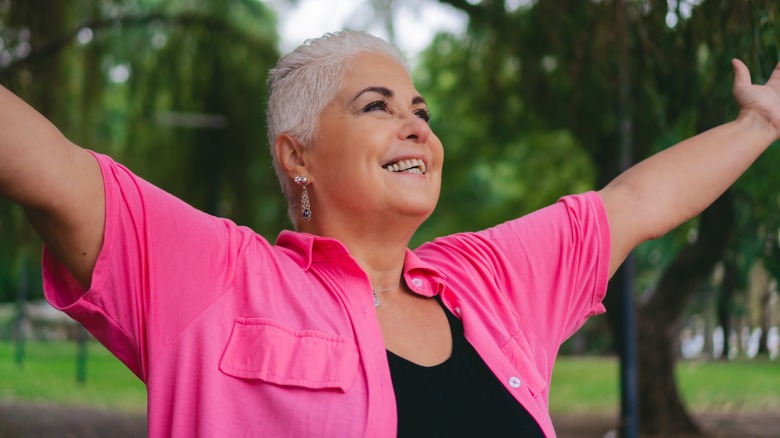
{"x": 457, "y": 310}
{"x": 417, "y": 282}
{"x": 514, "y": 382}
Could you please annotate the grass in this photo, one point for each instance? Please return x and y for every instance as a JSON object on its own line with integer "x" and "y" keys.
{"x": 580, "y": 384}
{"x": 584, "y": 384}
{"x": 48, "y": 374}
{"x": 740, "y": 386}
{"x": 591, "y": 384}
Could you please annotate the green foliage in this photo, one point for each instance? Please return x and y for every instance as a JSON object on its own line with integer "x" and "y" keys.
{"x": 586, "y": 73}
{"x": 621, "y": 83}
{"x": 137, "y": 79}
{"x": 499, "y": 165}
{"x": 751, "y": 34}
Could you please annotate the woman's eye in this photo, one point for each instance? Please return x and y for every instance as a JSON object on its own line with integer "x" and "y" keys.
{"x": 424, "y": 114}
{"x": 375, "y": 106}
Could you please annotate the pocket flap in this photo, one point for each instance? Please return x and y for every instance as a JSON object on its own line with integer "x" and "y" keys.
{"x": 261, "y": 348}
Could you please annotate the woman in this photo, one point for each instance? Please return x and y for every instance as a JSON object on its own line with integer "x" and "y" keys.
{"x": 339, "y": 329}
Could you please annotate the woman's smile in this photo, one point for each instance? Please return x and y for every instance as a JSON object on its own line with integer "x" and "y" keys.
{"x": 413, "y": 165}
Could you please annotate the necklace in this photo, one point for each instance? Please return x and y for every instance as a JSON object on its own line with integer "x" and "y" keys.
{"x": 376, "y": 297}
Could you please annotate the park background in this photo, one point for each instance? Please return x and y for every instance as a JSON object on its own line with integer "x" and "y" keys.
{"x": 532, "y": 100}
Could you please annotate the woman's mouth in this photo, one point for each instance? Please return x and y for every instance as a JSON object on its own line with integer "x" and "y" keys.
{"x": 409, "y": 166}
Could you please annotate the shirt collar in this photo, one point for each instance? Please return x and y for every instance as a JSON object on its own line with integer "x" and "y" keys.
{"x": 422, "y": 277}
{"x": 305, "y": 249}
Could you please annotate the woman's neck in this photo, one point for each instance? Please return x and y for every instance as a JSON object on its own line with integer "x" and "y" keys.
{"x": 379, "y": 247}
{"x": 382, "y": 263}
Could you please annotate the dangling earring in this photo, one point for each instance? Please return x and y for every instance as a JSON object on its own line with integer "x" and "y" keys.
{"x": 305, "y": 206}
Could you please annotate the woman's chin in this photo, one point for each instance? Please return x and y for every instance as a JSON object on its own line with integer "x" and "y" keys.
{"x": 419, "y": 211}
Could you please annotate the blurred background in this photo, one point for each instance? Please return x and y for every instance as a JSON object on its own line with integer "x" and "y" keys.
{"x": 532, "y": 100}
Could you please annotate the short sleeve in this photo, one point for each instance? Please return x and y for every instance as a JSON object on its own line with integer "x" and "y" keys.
{"x": 550, "y": 266}
{"x": 162, "y": 262}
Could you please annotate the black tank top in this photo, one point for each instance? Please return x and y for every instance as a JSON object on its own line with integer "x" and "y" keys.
{"x": 460, "y": 397}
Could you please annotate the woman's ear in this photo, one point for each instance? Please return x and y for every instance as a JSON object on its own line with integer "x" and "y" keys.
{"x": 290, "y": 154}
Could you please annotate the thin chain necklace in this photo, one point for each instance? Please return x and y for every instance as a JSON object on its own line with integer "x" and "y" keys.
{"x": 376, "y": 297}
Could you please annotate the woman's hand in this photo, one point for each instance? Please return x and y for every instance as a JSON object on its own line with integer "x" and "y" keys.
{"x": 761, "y": 103}
{"x": 676, "y": 184}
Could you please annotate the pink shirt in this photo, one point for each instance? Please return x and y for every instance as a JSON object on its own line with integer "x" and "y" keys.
{"x": 237, "y": 337}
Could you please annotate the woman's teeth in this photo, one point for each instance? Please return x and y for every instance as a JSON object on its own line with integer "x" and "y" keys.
{"x": 410, "y": 166}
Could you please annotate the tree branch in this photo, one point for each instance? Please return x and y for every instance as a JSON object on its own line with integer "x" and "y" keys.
{"x": 186, "y": 19}
{"x": 471, "y": 10}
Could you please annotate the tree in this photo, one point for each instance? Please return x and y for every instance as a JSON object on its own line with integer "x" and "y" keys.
{"x": 173, "y": 89}
{"x": 568, "y": 73}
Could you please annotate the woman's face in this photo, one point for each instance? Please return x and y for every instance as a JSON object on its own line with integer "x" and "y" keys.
{"x": 375, "y": 155}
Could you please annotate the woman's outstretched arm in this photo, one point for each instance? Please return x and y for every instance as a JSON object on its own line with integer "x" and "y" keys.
{"x": 58, "y": 184}
{"x": 665, "y": 190}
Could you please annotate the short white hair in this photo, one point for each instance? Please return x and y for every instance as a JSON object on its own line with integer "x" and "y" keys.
{"x": 307, "y": 79}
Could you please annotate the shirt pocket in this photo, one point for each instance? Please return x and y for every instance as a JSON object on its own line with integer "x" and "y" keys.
{"x": 264, "y": 349}
{"x": 529, "y": 357}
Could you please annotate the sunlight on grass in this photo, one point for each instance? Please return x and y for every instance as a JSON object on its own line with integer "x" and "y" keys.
{"x": 48, "y": 374}
{"x": 584, "y": 384}
{"x": 591, "y": 384}
{"x": 737, "y": 386}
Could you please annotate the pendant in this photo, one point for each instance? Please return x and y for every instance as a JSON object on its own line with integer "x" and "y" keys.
{"x": 376, "y": 299}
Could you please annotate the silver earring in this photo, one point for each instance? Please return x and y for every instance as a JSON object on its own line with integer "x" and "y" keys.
{"x": 305, "y": 206}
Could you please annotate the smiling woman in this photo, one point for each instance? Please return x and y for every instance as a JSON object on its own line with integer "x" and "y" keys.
{"x": 339, "y": 329}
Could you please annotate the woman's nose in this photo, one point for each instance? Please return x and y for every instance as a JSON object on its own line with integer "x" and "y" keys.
{"x": 414, "y": 128}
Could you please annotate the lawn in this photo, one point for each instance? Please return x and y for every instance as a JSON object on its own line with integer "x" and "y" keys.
{"x": 591, "y": 384}
{"x": 580, "y": 384}
{"x": 48, "y": 374}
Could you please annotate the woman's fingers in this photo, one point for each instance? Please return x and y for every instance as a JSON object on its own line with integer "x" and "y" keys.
{"x": 741, "y": 73}
{"x": 774, "y": 79}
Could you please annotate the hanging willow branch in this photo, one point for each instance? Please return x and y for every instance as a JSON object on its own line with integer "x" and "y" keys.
{"x": 185, "y": 19}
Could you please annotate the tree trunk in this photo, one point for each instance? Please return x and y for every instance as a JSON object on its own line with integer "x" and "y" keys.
{"x": 709, "y": 304}
{"x": 725, "y": 297}
{"x": 661, "y": 411}
{"x": 766, "y": 320}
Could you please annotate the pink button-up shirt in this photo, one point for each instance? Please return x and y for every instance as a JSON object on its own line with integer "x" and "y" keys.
{"x": 237, "y": 337}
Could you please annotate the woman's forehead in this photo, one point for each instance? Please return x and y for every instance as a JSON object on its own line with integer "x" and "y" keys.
{"x": 377, "y": 73}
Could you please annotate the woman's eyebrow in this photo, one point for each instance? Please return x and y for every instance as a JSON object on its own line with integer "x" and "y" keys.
{"x": 386, "y": 92}
{"x": 418, "y": 100}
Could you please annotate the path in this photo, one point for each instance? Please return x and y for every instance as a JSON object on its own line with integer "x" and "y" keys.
{"x": 27, "y": 420}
